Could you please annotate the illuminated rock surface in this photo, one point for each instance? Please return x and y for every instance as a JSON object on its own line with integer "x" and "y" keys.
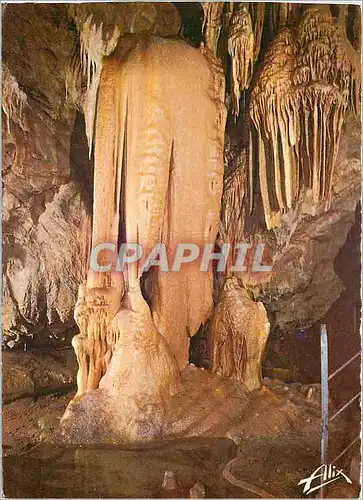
{"x": 114, "y": 131}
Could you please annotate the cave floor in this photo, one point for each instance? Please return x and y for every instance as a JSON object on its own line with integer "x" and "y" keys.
{"x": 274, "y": 443}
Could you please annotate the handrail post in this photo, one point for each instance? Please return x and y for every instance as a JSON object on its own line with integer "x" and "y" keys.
{"x": 324, "y": 397}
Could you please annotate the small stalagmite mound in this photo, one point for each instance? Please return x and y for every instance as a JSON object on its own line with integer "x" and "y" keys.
{"x": 239, "y": 333}
{"x": 139, "y": 374}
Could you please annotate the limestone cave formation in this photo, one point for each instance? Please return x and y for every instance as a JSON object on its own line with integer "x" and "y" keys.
{"x": 181, "y": 213}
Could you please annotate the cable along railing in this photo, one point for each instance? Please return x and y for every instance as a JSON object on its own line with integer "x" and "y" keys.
{"x": 325, "y": 378}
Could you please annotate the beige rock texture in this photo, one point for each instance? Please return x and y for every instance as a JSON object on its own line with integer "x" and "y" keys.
{"x": 38, "y": 302}
{"x": 25, "y": 373}
{"x": 44, "y": 209}
{"x": 238, "y": 334}
{"x": 148, "y": 114}
{"x": 303, "y": 283}
{"x": 154, "y": 162}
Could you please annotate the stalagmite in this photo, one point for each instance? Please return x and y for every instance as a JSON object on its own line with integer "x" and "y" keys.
{"x": 244, "y": 26}
{"x": 308, "y": 80}
{"x": 241, "y": 48}
{"x": 239, "y": 332}
{"x": 153, "y": 183}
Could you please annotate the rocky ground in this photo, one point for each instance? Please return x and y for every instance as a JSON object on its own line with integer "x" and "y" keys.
{"x": 272, "y": 445}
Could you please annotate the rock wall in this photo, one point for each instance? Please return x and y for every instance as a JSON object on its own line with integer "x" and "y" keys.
{"x": 44, "y": 210}
{"x": 303, "y": 283}
{"x": 46, "y": 171}
{"x": 48, "y": 180}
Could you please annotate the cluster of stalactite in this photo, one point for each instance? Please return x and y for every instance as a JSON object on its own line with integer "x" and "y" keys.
{"x": 309, "y": 78}
{"x": 13, "y": 98}
{"x": 212, "y": 24}
{"x": 243, "y": 23}
{"x": 281, "y": 15}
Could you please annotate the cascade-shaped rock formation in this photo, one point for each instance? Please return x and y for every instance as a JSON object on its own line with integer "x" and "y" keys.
{"x": 231, "y": 229}
{"x": 307, "y": 81}
{"x": 239, "y": 332}
{"x": 149, "y": 112}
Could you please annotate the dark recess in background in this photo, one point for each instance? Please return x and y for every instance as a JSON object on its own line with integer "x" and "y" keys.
{"x": 191, "y": 14}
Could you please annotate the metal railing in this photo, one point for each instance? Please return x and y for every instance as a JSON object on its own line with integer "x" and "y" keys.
{"x": 325, "y": 378}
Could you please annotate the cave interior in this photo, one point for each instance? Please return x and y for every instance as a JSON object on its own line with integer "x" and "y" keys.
{"x": 221, "y": 141}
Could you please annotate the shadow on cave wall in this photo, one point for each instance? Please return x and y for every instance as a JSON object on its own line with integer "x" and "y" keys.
{"x": 298, "y": 354}
{"x": 191, "y": 14}
{"x": 82, "y": 167}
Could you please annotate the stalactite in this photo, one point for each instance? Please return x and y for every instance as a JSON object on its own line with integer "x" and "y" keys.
{"x": 325, "y": 49}
{"x": 329, "y": 92}
{"x": 245, "y": 26}
{"x": 343, "y": 15}
{"x": 273, "y": 111}
{"x": 212, "y": 24}
{"x": 307, "y": 82}
{"x": 257, "y": 12}
{"x": 13, "y": 98}
{"x": 94, "y": 45}
{"x": 280, "y": 15}
{"x": 241, "y": 48}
